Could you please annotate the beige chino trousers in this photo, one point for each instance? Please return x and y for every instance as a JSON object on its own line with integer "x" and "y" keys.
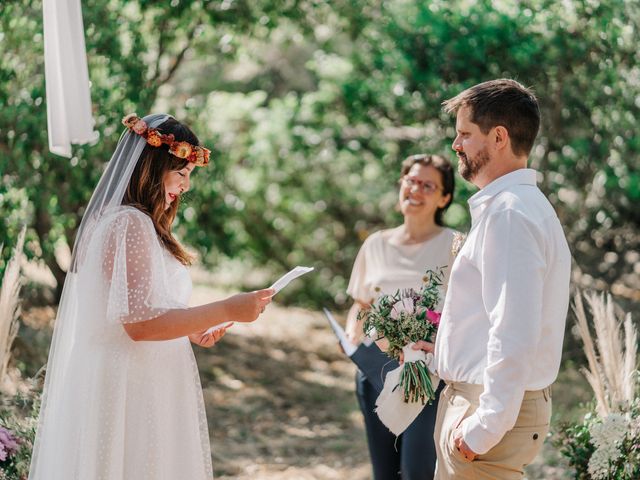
{"x": 507, "y": 459}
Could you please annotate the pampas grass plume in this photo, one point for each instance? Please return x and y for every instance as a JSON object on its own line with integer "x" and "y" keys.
{"x": 612, "y": 354}
{"x": 10, "y": 304}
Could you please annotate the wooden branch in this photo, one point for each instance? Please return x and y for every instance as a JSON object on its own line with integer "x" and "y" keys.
{"x": 179, "y": 58}
{"x": 162, "y": 28}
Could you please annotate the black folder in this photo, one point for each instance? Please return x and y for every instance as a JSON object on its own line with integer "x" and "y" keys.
{"x": 373, "y": 362}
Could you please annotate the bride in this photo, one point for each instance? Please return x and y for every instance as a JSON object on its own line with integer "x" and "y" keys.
{"x": 122, "y": 396}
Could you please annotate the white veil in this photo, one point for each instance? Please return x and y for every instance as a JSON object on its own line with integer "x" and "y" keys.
{"x": 112, "y": 185}
{"x": 83, "y": 386}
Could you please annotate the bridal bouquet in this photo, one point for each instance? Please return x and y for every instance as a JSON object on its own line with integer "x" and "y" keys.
{"x": 402, "y": 319}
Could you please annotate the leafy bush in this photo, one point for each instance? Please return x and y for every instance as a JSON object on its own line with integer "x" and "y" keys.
{"x": 606, "y": 444}
{"x": 574, "y": 443}
{"x": 603, "y": 448}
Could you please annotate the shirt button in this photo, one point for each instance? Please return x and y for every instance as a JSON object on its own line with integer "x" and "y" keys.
{"x": 535, "y": 436}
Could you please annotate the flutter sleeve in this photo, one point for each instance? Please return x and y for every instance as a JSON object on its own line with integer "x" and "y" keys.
{"x": 134, "y": 269}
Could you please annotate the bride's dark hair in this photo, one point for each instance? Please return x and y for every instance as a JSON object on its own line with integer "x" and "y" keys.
{"x": 146, "y": 187}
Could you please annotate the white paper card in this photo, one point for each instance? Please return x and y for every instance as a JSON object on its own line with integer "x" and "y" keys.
{"x": 279, "y": 284}
{"x": 287, "y": 278}
{"x": 348, "y": 347}
{"x": 217, "y": 327}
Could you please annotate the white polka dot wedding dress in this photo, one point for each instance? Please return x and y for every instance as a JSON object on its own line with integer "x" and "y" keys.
{"x": 115, "y": 408}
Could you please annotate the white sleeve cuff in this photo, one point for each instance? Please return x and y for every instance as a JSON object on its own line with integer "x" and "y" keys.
{"x": 477, "y": 437}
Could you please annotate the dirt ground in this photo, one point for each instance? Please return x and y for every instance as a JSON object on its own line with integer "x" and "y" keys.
{"x": 280, "y": 399}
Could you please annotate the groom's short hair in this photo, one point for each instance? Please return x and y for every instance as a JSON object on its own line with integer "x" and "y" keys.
{"x": 502, "y": 102}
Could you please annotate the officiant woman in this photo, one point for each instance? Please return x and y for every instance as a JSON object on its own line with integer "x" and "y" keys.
{"x": 390, "y": 260}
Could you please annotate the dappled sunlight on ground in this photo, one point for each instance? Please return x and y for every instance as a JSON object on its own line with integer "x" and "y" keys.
{"x": 280, "y": 399}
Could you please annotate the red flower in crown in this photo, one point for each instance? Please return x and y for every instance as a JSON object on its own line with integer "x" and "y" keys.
{"x": 168, "y": 138}
{"x": 194, "y": 154}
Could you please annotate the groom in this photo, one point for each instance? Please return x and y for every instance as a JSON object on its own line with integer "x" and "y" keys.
{"x": 500, "y": 338}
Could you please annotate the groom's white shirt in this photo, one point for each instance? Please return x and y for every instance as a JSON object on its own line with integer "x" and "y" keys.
{"x": 504, "y": 315}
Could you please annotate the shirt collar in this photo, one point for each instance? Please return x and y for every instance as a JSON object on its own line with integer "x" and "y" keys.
{"x": 478, "y": 202}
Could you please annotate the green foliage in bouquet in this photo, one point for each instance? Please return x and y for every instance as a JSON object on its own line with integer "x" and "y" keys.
{"x": 405, "y": 317}
{"x": 401, "y": 327}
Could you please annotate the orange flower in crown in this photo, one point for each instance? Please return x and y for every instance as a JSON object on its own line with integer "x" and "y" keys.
{"x": 154, "y": 138}
{"x": 202, "y": 156}
{"x": 180, "y": 149}
{"x": 192, "y": 153}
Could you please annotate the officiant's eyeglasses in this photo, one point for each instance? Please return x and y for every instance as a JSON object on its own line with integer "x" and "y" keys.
{"x": 425, "y": 187}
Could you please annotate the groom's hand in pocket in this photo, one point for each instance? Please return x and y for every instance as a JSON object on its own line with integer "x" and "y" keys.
{"x": 459, "y": 443}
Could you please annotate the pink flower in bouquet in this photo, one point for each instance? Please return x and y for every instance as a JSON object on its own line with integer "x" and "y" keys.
{"x": 8, "y": 444}
{"x": 404, "y": 305}
{"x": 434, "y": 317}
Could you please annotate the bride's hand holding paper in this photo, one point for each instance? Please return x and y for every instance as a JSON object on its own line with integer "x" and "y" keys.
{"x": 243, "y": 308}
{"x": 247, "y": 307}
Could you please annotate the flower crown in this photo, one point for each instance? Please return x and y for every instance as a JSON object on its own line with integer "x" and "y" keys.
{"x": 191, "y": 153}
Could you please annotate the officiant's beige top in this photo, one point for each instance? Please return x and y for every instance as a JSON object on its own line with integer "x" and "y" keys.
{"x": 382, "y": 267}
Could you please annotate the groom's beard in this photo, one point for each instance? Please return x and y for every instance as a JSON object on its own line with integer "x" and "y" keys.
{"x": 469, "y": 167}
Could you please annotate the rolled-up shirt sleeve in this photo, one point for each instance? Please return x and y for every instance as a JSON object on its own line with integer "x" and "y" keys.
{"x": 512, "y": 265}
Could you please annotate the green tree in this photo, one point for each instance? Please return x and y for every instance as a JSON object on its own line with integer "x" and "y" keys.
{"x": 311, "y": 106}
{"x": 134, "y": 49}
{"x": 314, "y": 166}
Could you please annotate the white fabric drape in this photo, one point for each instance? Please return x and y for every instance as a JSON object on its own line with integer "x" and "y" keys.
{"x": 69, "y": 117}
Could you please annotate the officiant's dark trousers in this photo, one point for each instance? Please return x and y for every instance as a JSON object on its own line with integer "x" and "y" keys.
{"x": 413, "y": 455}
